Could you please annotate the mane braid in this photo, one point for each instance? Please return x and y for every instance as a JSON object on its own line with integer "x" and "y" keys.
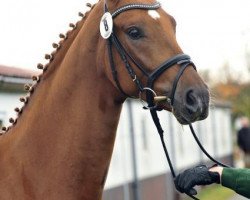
{"x": 69, "y": 36}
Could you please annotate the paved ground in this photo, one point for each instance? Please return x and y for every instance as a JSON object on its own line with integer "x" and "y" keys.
{"x": 238, "y": 197}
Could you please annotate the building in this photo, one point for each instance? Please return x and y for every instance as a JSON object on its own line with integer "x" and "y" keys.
{"x": 12, "y": 82}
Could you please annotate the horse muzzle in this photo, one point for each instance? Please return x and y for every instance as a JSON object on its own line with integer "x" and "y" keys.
{"x": 191, "y": 106}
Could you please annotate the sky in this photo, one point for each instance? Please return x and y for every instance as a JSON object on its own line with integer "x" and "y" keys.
{"x": 212, "y": 32}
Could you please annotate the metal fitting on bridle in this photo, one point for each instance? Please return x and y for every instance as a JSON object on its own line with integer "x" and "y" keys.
{"x": 146, "y": 89}
{"x": 156, "y": 99}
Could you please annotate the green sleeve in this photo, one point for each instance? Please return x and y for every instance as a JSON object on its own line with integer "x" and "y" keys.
{"x": 237, "y": 180}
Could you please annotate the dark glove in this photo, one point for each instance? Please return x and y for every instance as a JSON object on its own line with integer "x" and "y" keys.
{"x": 198, "y": 175}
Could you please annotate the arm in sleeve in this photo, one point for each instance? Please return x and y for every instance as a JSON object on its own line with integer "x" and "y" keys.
{"x": 237, "y": 180}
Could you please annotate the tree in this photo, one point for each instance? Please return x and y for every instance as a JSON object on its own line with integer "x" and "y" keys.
{"x": 241, "y": 103}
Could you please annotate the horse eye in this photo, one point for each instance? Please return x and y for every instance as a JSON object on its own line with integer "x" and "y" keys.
{"x": 134, "y": 33}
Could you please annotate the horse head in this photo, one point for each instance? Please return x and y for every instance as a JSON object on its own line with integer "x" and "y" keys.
{"x": 140, "y": 48}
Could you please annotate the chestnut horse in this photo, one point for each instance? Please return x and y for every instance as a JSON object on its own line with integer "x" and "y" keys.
{"x": 61, "y": 144}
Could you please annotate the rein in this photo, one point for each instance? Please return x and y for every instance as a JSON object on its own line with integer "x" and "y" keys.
{"x": 183, "y": 60}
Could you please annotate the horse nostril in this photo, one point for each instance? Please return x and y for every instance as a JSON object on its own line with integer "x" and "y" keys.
{"x": 192, "y": 102}
{"x": 190, "y": 98}
{"x": 195, "y": 102}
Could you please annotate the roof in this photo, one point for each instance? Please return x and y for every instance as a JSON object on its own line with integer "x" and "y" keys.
{"x": 16, "y": 72}
{"x": 12, "y": 79}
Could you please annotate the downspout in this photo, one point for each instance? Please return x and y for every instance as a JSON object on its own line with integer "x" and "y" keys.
{"x": 135, "y": 182}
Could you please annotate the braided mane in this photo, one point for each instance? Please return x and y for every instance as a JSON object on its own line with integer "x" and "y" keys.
{"x": 54, "y": 60}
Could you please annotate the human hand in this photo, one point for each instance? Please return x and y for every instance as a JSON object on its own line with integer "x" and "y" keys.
{"x": 199, "y": 175}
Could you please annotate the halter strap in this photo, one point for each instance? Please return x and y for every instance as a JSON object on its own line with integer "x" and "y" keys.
{"x": 124, "y": 53}
{"x": 113, "y": 69}
{"x": 181, "y": 59}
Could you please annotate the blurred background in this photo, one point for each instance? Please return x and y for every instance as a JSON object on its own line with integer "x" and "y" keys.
{"x": 216, "y": 34}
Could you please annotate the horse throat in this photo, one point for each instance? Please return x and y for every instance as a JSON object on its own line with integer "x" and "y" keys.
{"x": 61, "y": 146}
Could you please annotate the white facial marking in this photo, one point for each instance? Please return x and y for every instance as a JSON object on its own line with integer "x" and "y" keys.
{"x": 154, "y": 14}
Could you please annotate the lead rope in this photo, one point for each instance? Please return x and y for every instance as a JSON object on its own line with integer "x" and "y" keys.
{"x": 204, "y": 150}
{"x": 161, "y": 134}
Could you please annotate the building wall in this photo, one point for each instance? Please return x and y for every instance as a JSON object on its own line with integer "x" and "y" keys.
{"x": 151, "y": 164}
{"x": 8, "y": 101}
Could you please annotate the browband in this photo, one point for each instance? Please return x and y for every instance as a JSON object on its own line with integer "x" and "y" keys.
{"x": 153, "y": 6}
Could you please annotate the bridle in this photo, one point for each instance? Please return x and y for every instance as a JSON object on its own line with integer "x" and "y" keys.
{"x": 183, "y": 60}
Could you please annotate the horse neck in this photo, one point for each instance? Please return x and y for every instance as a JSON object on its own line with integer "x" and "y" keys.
{"x": 67, "y": 130}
